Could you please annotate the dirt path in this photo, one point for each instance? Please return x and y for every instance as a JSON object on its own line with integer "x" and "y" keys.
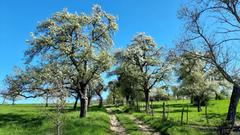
{"x": 143, "y": 127}
{"x": 116, "y": 127}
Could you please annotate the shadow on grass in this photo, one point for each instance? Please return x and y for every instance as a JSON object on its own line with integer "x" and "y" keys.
{"x": 70, "y": 109}
{"x": 26, "y": 121}
{"x": 177, "y": 105}
{"x": 97, "y": 108}
{"x": 158, "y": 125}
{"x": 216, "y": 115}
{"x": 173, "y": 111}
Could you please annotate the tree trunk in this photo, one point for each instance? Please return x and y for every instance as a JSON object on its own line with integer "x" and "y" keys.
{"x": 3, "y": 100}
{"x": 100, "y": 100}
{"x": 127, "y": 99}
{"x": 217, "y": 97}
{"x": 114, "y": 99}
{"x": 137, "y": 104}
{"x": 13, "y": 101}
{"x": 198, "y": 104}
{"x": 89, "y": 101}
{"x": 146, "y": 101}
{"x": 46, "y": 105}
{"x": 76, "y": 101}
{"x": 83, "y": 108}
{"x": 191, "y": 99}
{"x": 83, "y": 96}
{"x": 84, "y": 103}
{"x": 164, "y": 112}
{"x": 132, "y": 101}
{"x": 233, "y": 105}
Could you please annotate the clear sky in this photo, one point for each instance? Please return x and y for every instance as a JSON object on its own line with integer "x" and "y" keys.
{"x": 157, "y": 18}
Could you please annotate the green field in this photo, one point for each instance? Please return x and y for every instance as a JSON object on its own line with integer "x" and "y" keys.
{"x": 32, "y": 119}
{"x": 197, "y": 122}
{"x": 216, "y": 109}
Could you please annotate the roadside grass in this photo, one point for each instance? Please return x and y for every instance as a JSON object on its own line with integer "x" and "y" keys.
{"x": 32, "y": 120}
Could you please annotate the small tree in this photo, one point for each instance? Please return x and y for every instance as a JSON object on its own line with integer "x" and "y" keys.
{"x": 59, "y": 101}
{"x": 3, "y": 94}
{"x": 99, "y": 89}
{"x": 127, "y": 83}
{"x": 112, "y": 91}
{"x": 96, "y": 87}
{"x": 148, "y": 63}
{"x": 175, "y": 91}
{"x": 194, "y": 76}
{"x": 115, "y": 96}
{"x": 14, "y": 85}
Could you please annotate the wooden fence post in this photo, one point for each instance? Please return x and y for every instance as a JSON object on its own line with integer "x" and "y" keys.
{"x": 164, "y": 112}
{"x": 182, "y": 116}
{"x": 167, "y": 111}
{"x": 151, "y": 106}
{"x": 187, "y": 113}
{"x": 206, "y": 113}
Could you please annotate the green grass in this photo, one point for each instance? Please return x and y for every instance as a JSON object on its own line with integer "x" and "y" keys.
{"x": 32, "y": 120}
{"x": 130, "y": 127}
{"x": 217, "y": 111}
{"x": 169, "y": 127}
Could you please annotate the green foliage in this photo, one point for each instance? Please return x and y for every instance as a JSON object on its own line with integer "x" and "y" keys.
{"x": 159, "y": 95}
{"x": 141, "y": 67}
{"x": 147, "y": 62}
{"x": 194, "y": 75}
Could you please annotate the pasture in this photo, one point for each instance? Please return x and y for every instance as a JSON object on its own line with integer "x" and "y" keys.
{"x": 29, "y": 119}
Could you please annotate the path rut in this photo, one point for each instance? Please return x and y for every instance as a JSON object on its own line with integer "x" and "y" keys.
{"x": 143, "y": 127}
{"x": 116, "y": 126}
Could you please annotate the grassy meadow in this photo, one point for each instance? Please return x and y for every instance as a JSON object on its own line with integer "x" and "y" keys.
{"x": 33, "y": 119}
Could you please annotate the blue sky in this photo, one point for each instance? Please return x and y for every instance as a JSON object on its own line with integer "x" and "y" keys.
{"x": 18, "y": 18}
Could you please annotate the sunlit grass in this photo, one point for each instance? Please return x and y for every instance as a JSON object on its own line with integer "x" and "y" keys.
{"x": 33, "y": 120}
{"x": 216, "y": 109}
{"x": 130, "y": 127}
